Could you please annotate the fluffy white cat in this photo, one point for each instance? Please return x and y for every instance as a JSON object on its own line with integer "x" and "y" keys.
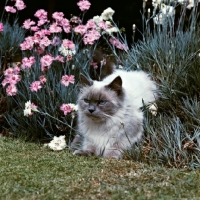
{"x": 109, "y": 116}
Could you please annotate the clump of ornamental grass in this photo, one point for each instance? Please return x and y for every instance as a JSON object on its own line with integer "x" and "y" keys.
{"x": 170, "y": 52}
{"x": 42, "y": 90}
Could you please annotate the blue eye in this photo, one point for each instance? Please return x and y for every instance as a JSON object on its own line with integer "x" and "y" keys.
{"x": 86, "y": 100}
{"x": 102, "y": 102}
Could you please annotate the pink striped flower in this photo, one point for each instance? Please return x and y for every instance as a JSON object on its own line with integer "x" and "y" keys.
{"x": 58, "y": 16}
{"x": 28, "y": 23}
{"x": 68, "y": 44}
{"x": 66, "y": 108}
{"x": 13, "y": 79}
{"x": 11, "y": 90}
{"x": 35, "y": 86}
{"x": 115, "y": 42}
{"x": 91, "y": 24}
{"x": 66, "y": 80}
{"x": 84, "y": 5}
{"x": 59, "y": 58}
{"x": 65, "y": 25}
{"x": 28, "y": 62}
{"x": 46, "y": 60}
{"x": 41, "y": 14}
{"x": 82, "y": 29}
{"x": 42, "y": 22}
{"x": 19, "y": 4}
{"x": 54, "y": 28}
{"x": 10, "y": 9}
{"x": 45, "y": 42}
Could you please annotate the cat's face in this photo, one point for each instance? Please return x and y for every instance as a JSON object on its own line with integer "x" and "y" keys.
{"x": 100, "y": 102}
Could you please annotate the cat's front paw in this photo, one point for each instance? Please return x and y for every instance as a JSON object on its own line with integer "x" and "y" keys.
{"x": 113, "y": 154}
{"x": 80, "y": 152}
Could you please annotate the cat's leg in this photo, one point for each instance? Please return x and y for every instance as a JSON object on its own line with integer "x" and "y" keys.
{"x": 113, "y": 153}
{"x": 76, "y": 142}
{"x": 87, "y": 150}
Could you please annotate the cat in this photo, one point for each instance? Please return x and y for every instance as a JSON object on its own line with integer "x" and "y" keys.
{"x": 109, "y": 116}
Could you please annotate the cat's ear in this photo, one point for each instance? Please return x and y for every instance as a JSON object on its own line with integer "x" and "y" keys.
{"x": 116, "y": 85}
{"x": 84, "y": 81}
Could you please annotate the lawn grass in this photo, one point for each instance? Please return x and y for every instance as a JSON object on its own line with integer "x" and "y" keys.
{"x": 31, "y": 171}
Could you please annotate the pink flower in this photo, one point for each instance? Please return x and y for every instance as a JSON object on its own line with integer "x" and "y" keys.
{"x": 46, "y": 60}
{"x": 34, "y": 28}
{"x": 68, "y": 44}
{"x": 42, "y": 79}
{"x": 13, "y": 79}
{"x": 28, "y": 23}
{"x": 5, "y": 82}
{"x": 19, "y": 4}
{"x": 54, "y": 28}
{"x": 118, "y": 44}
{"x": 91, "y": 36}
{"x": 28, "y": 62}
{"x": 10, "y": 9}
{"x": 45, "y": 42}
{"x": 91, "y": 24}
{"x": 82, "y": 29}
{"x": 27, "y": 44}
{"x": 103, "y": 25}
{"x": 65, "y": 108}
{"x": 58, "y": 16}
{"x": 42, "y": 22}
{"x": 67, "y": 79}
{"x": 16, "y": 70}
{"x": 1, "y": 27}
{"x": 35, "y": 86}
{"x": 66, "y": 25}
{"x": 41, "y": 14}
{"x": 11, "y": 90}
{"x": 8, "y": 71}
{"x": 59, "y": 58}
{"x": 84, "y": 5}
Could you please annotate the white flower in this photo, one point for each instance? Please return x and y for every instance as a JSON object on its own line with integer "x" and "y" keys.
{"x": 153, "y": 109}
{"x": 167, "y": 10}
{"x": 73, "y": 106}
{"x": 28, "y": 104}
{"x": 111, "y": 30}
{"x": 65, "y": 51}
{"x": 58, "y": 143}
{"x": 29, "y": 107}
{"x": 27, "y": 112}
{"x": 97, "y": 19}
{"x": 107, "y": 14}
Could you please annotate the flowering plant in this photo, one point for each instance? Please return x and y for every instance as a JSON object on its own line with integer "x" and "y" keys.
{"x": 53, "y": 55}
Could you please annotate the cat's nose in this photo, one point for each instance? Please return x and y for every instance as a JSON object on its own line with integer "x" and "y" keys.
{"x": 91, "y": 110}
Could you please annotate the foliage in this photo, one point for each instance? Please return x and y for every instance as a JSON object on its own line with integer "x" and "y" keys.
{"x": 169, "y": 52}
{"x": 172, "y": 56}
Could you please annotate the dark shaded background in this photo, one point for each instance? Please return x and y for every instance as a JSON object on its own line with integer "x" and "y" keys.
{"x": 127, "y": 12}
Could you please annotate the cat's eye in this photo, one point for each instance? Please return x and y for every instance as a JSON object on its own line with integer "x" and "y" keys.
{"x": 86, "y": 100}
{"x": 102, "y": 102}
